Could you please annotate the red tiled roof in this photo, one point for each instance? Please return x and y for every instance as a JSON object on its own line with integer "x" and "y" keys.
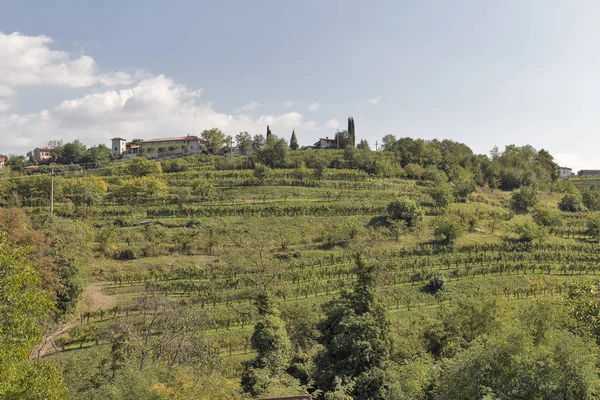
{"x": 118, "y": 138}
{"x": 179, "y": 138}
{"x": 44, "y": 149}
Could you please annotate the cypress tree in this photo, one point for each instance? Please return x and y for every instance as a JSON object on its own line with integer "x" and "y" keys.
{"x": 351, "y": 133}
{"x": 355, "y": 336}
{"x": 294, "y": 141}
{"x": 268, "y": 132}
{"x": 273, "y": 348}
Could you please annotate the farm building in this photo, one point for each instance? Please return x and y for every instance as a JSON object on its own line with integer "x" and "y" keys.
{"x": 566, "y": 172}
{"x": 587, "y": 173}
{"x": 183, "y": 145}
{"x": 42, "y": 153}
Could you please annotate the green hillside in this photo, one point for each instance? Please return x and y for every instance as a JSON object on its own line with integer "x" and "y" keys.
{"x": 162, "y": 273}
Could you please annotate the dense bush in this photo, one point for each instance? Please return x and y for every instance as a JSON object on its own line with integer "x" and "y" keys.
{"x": 571, "y": 202}
{"x": 525, "y": 198}
{"x": 407, "y": 210}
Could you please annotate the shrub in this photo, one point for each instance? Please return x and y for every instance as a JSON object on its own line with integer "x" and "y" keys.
{"x": 448, "y": 228}
{"x": 571, "y": 202}
{"x": 405, "y": 209}
{"x": 436, "y": 284}
{"x": 593, "y": 226}
{"x": 525, "y": 198}
{"x": 441, "y": 195}
{"x": 529, "y": 232}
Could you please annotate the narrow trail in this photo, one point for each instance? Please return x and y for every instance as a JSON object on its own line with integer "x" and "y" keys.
{"x": 92, "y": 299}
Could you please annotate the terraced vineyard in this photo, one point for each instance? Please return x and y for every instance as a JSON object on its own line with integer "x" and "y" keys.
{"x": 170, "y": 248}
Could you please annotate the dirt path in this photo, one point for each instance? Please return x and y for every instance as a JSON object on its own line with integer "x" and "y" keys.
{"x": 93, "y": 299}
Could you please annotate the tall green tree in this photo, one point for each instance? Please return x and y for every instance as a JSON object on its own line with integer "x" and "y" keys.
{"x": 351, "y": 133}
{"x": 341, "y": 139}
{"x": 214, "y": 139}
{"x": 294, "y": 141}
{"x": 266, "y": 372}
{"x": 97, "y": 155}
{"x": 23, "y": 308}
{"x": 71, "y": 153}
{"x": 268, "y": 133}
{"x": 273, "y": 153}
{"x": 355, "y": 337}
{"x": 258, "y": 142}
{"x": 244, "y": 142}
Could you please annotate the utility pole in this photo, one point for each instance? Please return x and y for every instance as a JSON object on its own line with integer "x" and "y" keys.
{"x": 376, "y": 145}
{"x": 52, "y": 191}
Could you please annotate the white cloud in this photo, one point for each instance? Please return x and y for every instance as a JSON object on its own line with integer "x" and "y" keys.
{"x": 333, "y": 124}
{"x": 311, "y": 125}
{"x": 154, "y": 107}
{"x": 374, "y": 100}
{"x": 313, "y": 106}
{"x": 288, "y": 104}
{"x": 28, "y": 60}
{"x": 250, "y": 106}
{"x": 141, "y": 106}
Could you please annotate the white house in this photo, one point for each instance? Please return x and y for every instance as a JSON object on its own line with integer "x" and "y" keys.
{"x": 566, "y": 172}
{"x": 42, "y": 153}
{"x": 2, "y": 161}
{"x": 181, "y": 145}
{"x": 119, "y": 146}
{"x": 325, "y": 143}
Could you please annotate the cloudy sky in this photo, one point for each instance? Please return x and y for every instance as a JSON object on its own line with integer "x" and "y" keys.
{"x": 481, "y": 72}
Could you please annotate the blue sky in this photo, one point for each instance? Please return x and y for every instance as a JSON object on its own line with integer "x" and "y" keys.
{"x": 483, "y": 73}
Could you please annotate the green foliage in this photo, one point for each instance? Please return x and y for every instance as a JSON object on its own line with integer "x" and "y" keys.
{"x": 593, "y": 226}
{"x": 262, "y": 173}
{"x": 214, "y": 139}
{"x": 70, "y": 153}
{"x": 363, "y": 145}
{"x": 523, "y": 166}
{"x": 139, "y": 188}
{"x": 294, "y": 141}
{"x": 98, "y": 155}
{"x": 407, "y": 210}
{"x": 414, "y": 171}
{"x": 463, "y": 187}
{"x": 525, "y": 198}
{"x": 270, "y": 338}
{"x": 529, "y": 232}
{"x": 23, "y": 308}
{"x": 351, "y": 133}
{"x": 244, "y": 142}
{"x": 341, "y": 139}
{"x": 448, "y": 228}
{"x": 583, "y": 301}
{"x": 591, "y": 199}
{"x": 141, "y": 166}
{"x": 441, "y": 195}
{"x": 87, "y": 191}
{"x": 436, "y": 284}
{"x": 273, "y": 153}
{"x": 571, "y": 202}
{"x": 273, "y": 347}
{"x": 502, "y": 365}
{"x": 355, "y": 339}
{"x": 547, "y": 217}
